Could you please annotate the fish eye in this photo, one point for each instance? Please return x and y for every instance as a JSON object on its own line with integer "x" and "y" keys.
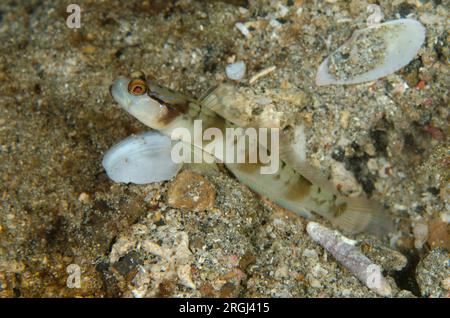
{"x": 137, "y": 86}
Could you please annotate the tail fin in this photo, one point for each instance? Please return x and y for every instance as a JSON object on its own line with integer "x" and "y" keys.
{"x": 360, "y": 214}
{"x": 352, "y": 215}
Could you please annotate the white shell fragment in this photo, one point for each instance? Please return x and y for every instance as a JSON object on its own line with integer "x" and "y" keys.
{"x": 374, "y": 52}
{"x": 141, "y": 159}
{"x": 235, "y": 71}
{"x": 244, "y": 30}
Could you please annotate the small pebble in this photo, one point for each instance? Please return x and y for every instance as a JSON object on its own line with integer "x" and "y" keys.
{"x": 375, "y": 14}
{"x": 236, "y": 71}
{"x": 244, "y": 30}
{"x": 191, "y": 191}
{"x": 446, "y": 283}
{"x": 314, "y": 282}
{"x": 84, "y": 198}
{"x": 439, "y": 233}
{"x": 310, "y": 253}
{"x": 420, "y": 231}
{"x": 432, "y": 272}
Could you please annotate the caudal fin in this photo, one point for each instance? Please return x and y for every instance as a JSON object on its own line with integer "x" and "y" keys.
{"x": 355, "y": 215}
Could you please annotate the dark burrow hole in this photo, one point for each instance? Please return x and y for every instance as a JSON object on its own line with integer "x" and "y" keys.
{"x": 406, "y": 278}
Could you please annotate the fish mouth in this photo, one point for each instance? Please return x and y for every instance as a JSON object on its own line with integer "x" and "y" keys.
{"x": 119, "y": 91}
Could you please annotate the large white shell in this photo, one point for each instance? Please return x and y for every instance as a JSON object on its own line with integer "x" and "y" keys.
{"x": 401, "y": 40}
{"x": 141, "y": 159}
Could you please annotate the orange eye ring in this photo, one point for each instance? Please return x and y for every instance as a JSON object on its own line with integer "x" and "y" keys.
{"x": 137, "y": 86}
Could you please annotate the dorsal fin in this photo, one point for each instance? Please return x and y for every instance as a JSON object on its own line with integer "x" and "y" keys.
{"x": 167, "y": 95}
{"x": 226, "y": 101}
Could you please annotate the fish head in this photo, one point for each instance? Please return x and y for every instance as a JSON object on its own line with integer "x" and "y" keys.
{"x": 132, "y": 94}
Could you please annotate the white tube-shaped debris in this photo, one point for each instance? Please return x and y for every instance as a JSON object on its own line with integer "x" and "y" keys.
{"x": 351, "y": 257}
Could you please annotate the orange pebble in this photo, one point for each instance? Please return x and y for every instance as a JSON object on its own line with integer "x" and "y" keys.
{"x": 421, "y": 85}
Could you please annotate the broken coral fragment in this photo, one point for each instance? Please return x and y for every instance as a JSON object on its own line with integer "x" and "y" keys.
{"x": 373, "y": 52}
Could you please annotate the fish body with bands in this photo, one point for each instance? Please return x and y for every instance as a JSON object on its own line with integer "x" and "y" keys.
{"x": 295, "y": 185}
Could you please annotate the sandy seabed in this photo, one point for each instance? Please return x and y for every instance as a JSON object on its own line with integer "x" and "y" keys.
{"x": 387, "y": 138}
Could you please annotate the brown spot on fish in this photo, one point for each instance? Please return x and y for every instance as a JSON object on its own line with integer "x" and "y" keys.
{"x": 176, "y": 104}
{"x": 172, "y": 110}
{"x": 299, "y": 189}
{"x": 248, "y": 167}
{"x": 338, "y": 209}
{"x": 215, "y": 122}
